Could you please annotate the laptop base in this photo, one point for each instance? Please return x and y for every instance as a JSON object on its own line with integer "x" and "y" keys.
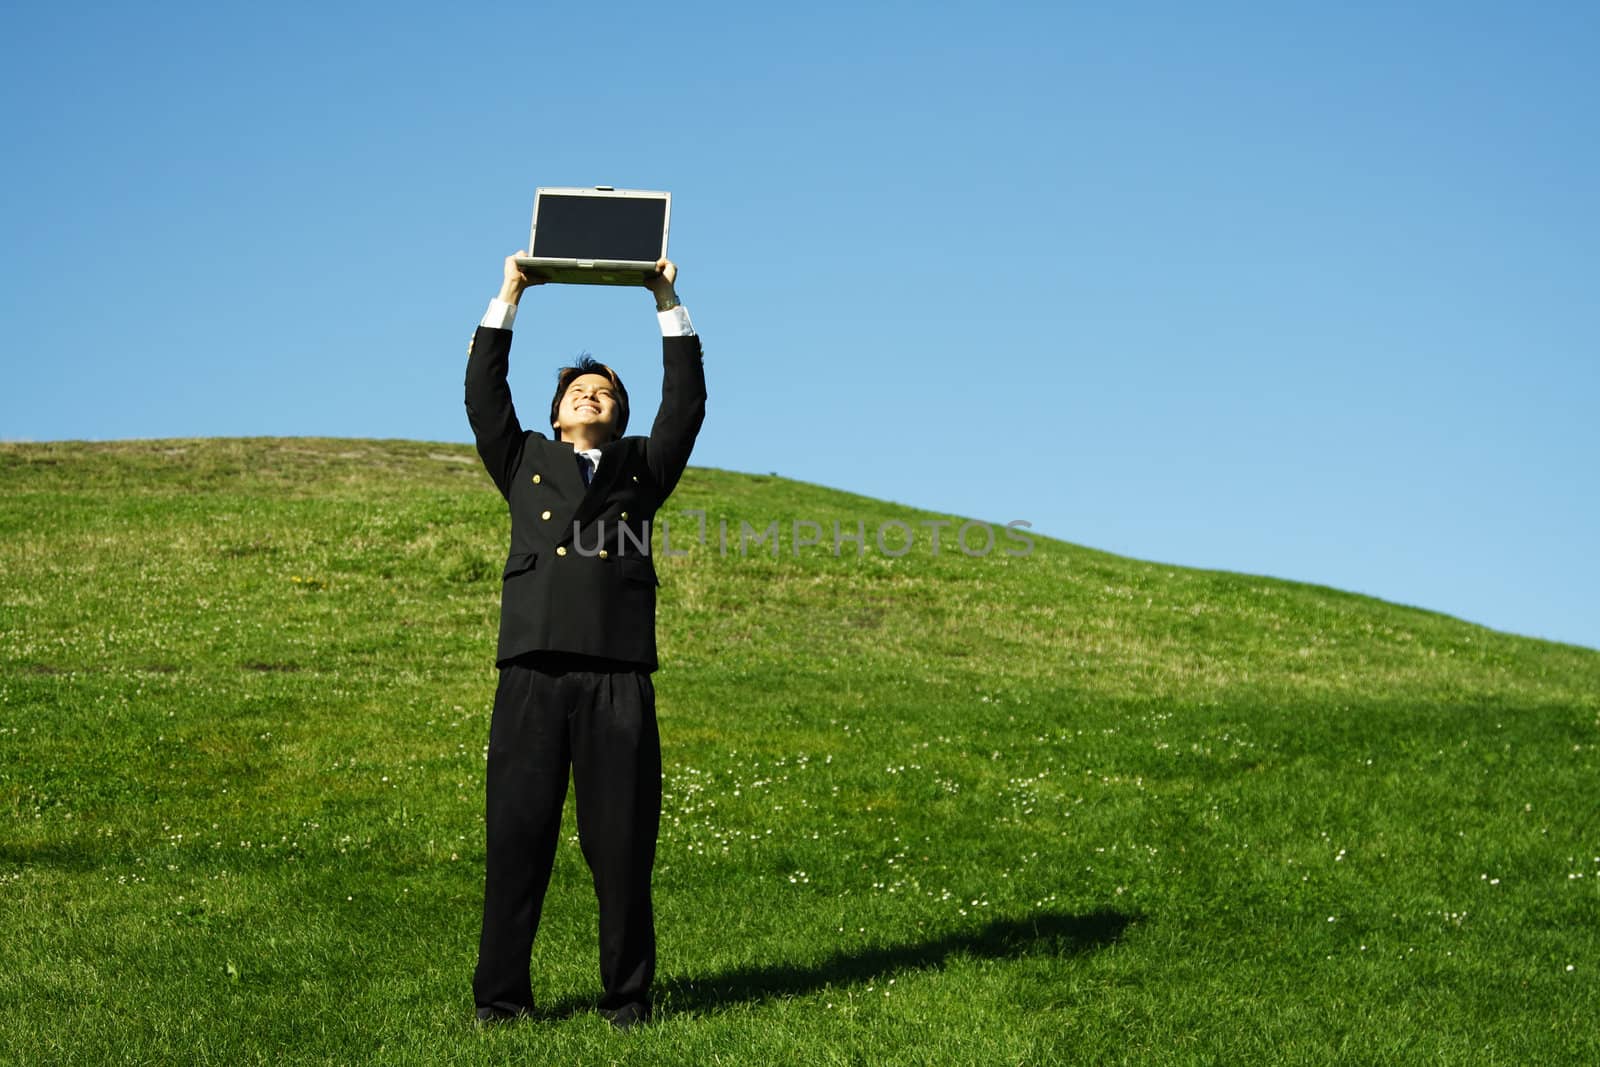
{"x": 598, "y": 274}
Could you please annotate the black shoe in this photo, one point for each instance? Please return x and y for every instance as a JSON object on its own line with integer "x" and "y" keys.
{"x": 627, "y": 1017}
{"x": 502, "y": 1013}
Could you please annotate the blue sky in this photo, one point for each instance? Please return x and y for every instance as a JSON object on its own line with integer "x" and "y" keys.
{"x": 1300, "y": 290}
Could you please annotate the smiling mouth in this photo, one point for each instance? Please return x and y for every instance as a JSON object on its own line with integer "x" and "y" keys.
{"x": 589, "y": 407}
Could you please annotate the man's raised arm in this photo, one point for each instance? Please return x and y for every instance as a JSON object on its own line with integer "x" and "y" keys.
{"x": 489, "y": 409}
{"x": 683, "y": 384}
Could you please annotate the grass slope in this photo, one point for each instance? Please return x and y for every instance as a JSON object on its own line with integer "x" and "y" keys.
{"x": 1060, "y": 808}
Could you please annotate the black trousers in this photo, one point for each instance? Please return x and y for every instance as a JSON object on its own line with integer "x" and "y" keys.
{"x": 599, "y": 719}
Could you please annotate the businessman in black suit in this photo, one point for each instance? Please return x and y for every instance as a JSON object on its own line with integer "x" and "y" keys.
{"x": 577, "y": 647}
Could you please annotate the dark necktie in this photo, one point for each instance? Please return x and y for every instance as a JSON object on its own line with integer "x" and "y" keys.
{"x": 584, "y": 468}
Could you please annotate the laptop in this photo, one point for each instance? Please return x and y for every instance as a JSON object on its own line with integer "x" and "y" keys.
{"x": 598, "y": 236}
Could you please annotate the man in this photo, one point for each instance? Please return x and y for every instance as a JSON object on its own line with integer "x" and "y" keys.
{"x": 576, "y": 648}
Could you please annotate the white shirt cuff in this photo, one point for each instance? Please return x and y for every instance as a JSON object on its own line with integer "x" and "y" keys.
{"x": 675, "y": 322}
{"x": 500, "y": 315}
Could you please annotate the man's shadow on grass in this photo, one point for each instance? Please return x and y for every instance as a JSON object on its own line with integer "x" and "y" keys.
{"x": 1040, "y": 935}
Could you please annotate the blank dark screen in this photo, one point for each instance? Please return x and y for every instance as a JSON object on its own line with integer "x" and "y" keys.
{"x": 600, "y": 227}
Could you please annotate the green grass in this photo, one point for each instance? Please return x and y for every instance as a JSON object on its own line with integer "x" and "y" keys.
{"x": 1054, "y": 809}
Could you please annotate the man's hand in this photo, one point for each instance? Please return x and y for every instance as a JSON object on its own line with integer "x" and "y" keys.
{"x": 515, "y": 280}
{"x": 661, "y": 284}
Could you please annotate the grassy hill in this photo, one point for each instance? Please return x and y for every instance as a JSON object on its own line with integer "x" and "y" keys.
{"x": 1048, "y": 808}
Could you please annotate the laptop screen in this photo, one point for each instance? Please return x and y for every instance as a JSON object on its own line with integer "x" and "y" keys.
{"x": 599, "y": 227}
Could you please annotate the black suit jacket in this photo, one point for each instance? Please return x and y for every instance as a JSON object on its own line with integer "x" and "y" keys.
{"x": 579, "y": 578}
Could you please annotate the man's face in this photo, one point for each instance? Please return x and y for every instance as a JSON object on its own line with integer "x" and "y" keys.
{"x": 589, "y": 400}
